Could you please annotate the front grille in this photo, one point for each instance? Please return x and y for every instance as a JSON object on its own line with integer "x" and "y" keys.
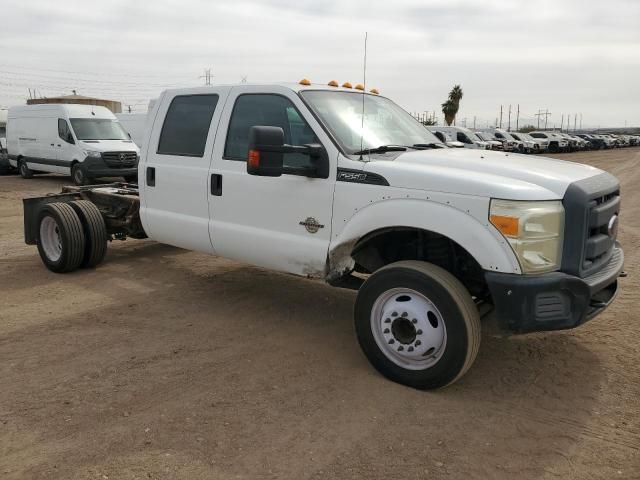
{"x": 120, "y": 159}
{"x": 589, "y": 205}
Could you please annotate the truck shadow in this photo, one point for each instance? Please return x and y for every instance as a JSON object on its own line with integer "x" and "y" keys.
{"x": 277, "y": 356}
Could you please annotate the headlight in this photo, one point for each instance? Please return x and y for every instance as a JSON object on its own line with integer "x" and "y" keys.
{"x": 535, "y": 231}
{"x": 92, "y": 154}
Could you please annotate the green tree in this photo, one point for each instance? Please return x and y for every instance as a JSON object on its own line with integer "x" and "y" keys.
{"x": 452, "y": 105}
{"x": 527, "y": 129}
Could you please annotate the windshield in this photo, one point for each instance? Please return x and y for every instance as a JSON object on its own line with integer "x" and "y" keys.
{"x": 487, "y": 137}
{"x": 98, "y": 129}
{"x": 385, "y": 123}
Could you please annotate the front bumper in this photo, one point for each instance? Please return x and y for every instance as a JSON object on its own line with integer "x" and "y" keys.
{"x": 95, "y": 167}
{"x": 553, "y": 301}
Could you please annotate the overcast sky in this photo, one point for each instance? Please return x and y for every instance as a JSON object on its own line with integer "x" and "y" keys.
{"x": 569, "y": 56}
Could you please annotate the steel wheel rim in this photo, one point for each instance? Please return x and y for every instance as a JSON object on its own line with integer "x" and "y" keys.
{"x": 77, "y": 174}
{"x": 50, "y": 239}
{"x": 416, "y": 336}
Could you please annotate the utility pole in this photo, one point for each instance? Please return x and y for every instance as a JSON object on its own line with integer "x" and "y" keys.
{"x": 562, "y": 122}
{"x": 518, "y": 118}
{"x": 575, "y": 122}
{"x": 509, "y": 124}
{"x": 206, "y": 76}
{"x": 474, "y": 122}
{"x": 581, "y": 121}
{"x": 500, "y": 116}
{"x": 546, "y": 114}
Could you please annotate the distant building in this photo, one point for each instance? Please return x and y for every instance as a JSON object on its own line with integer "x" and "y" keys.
{"x": 115, "y": 107}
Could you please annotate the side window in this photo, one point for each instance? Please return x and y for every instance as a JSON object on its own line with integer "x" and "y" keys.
{"x": 64, "y": 132}
{"x": 499, "y": 135}
{"x": 267, "y": 110}
{"x": 186, "y": 125}
{"x": 462, "y": 138}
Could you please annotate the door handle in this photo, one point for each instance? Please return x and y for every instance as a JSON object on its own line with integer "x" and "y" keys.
{"x": 151, "y": 176}
{"x": 52, "y": 144}
{"x": 216, "y": 184}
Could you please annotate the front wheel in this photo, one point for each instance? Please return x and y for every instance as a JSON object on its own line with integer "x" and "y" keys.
{"x": 78, "y": 175}
{"x": 417, "y": 324}
{"x": 23, "y": 168}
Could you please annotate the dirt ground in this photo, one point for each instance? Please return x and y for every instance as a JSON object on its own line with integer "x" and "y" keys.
{"x": 163, "y": 363}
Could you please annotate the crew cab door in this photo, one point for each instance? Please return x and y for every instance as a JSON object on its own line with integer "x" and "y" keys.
{"x": 173, "y": 175}
{"x": 281, "y": 223}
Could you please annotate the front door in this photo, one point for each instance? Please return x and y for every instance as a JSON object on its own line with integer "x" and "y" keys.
{"x": 174, "y": 177}
{"x": 281, "y": 223}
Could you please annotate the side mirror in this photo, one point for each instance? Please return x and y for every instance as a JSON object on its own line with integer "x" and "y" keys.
{"x": 266, "y": 148}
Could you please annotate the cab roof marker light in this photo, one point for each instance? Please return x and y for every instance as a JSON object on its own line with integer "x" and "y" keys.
{"x": 359, "y": 86}
{"x": 347, "y": 85}
{"x": 374, "y": 91}
{"x": 305, "y": 81}
{"x": 333, "y": 83}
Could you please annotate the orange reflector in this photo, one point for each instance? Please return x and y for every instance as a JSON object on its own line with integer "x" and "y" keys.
{"x": 374, "y": 91}
{"x": 304, "y": 81}
{"x": 359, "y": 86}
{"x": 333, "y": 83}
{"x": 346, "y": 85}
{"x": 254, "y": 158}
{"x": 507, "y": 225}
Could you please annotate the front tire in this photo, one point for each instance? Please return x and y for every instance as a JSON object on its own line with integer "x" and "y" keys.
{"x": 61, "y": 240}
{"x": 23, "y": 168}
{"x": 417, "y": 324}
{"x": 78, "y": 175}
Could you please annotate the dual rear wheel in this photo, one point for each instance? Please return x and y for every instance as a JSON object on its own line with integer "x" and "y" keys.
{"x": 71, "y": 235}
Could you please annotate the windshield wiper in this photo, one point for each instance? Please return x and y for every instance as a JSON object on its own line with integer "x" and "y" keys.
{"x": 422, "y": 146}
{"x": 382, "y": 149}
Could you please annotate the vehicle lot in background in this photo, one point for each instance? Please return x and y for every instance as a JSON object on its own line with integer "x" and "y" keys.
{"x": 135, "y": 370}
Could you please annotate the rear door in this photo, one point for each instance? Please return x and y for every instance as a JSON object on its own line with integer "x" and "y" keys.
{"x": 174, "y": 178}
{"x": 282, "y": 223}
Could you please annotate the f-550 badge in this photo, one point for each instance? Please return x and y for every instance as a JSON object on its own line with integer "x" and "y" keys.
{"x": 311, "y": 224}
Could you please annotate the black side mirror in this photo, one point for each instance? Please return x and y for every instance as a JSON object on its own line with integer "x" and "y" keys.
{"x": 266, "y": 148}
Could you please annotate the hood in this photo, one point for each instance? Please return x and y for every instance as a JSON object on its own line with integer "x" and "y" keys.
{"x": 109, "y": 145}
{"x": 481, "y": 173}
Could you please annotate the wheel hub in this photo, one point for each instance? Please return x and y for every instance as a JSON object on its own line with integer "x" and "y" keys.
{"x": 408, "y": 328}
{"x": 50, "y": 239}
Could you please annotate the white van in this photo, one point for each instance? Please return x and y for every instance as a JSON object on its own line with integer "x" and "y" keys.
{"x": 466, "y": 137}
{"x": 83, "y": 141}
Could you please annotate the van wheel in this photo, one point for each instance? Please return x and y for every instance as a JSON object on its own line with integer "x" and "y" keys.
{"x": 25, "y": 171}
{"x": 95, "y": 232}
{"x": 417, "y": 324}
{"x": 61, "y": 241}
{"x": 78, "y": 175}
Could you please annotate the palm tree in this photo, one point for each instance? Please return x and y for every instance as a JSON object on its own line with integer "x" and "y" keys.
{"x": 449, "y": 108}
{"x": 452, "y": 105}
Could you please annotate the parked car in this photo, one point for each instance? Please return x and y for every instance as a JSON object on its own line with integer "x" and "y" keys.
{"x": 494, "y": 144}
{"x": 557, "y": 143}
{"x": 83, "y": 141}
{"x": 5, "y": 166}
{"x": 509, "y": 144}
{"x": 467, "y": 137}
{"x": 595, "y": 141}
{"x": 446, "y": 138}
{"x": 531, "y": 145}
{"x": 282, "y": 176}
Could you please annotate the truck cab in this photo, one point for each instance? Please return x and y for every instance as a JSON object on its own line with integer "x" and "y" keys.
{"x": 344, "y": 186}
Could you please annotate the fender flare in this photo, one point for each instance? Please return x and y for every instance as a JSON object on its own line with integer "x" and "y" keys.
{"x": 482, "y": 240}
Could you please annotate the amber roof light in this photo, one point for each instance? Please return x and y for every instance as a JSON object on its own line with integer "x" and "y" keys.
{"x": 333, "y": 83}
{"x": 346, "y": 85}
{"x": 305, "y": 81}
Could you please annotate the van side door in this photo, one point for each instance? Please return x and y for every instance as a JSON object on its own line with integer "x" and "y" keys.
{"x": 173, "y": 176}
{"x": 66, "y": 148}
{"x": 281, "y": 223}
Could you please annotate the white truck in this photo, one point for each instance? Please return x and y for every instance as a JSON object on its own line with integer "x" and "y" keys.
{"x": 344, "y": 186}
{"x": 83, "y": 141}
{"x": 468, "y": 138}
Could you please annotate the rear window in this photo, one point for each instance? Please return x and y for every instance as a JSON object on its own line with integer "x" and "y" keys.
{"x": 186, "y": 125}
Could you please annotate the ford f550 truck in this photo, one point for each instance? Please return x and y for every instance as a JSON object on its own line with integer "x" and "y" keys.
{"x": 344, "y": 186}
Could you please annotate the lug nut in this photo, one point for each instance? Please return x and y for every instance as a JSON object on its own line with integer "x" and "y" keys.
{"x": 386, "y": 330}
{"x": 419, "y": 332}
{"x": 400, "y": 348}
{"x": 404, "y": 314}
{"x": 410, "y": 349}
{"x": 418, "y": 343}
{"x": 394, "y": 314}
{"x": 392, "y": 341}
{"x": 415, "y": 320}
{"x": 387, "y": 320}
